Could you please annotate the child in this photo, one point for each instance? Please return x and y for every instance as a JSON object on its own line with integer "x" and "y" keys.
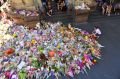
{"x": 96, "y": 31}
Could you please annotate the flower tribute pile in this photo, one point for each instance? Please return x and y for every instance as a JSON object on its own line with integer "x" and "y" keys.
{"x": 25, "y": 12}
{"x": 41, "y": 53}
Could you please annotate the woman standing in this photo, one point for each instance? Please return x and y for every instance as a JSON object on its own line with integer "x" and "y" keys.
{"x": 49, "y": 8}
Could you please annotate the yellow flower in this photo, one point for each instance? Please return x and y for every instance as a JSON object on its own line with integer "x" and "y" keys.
{"x": 92, "y": 49}
{"x": 58, "y": 46}
{"x": 14, "y": 35}
{"x": 86, "y": 37}
{"x": 33, "y": 41}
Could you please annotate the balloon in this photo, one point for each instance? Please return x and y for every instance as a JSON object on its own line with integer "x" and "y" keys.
{"x": 9, "y": 51}
{"x": 51, "y": 53}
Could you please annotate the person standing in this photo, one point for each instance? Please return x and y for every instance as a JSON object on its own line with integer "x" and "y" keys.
{"x": 109, "y": 9}
{"x": 49, "y": 8}
{"x": 44, "y": 3}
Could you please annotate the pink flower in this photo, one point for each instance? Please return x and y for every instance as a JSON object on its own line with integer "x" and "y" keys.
{"x": 60, "y": 53}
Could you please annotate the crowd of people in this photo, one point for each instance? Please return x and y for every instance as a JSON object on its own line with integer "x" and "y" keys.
{"x": 109, "y": 7}
{"x": 45, "y": 6}
{"x": 48, "y": 9}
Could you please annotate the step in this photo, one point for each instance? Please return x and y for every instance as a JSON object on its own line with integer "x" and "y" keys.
{"x": 104, "y": 18}
{"x": 56, "y": 18}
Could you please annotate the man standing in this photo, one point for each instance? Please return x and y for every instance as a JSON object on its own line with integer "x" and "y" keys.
{"x": 43, "y": 2}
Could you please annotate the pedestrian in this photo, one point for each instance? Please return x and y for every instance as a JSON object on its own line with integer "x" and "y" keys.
{"x": 104, "y": 6}
{"x": 49, "y": 8}
{"x": 96, "y": 32}
{"x": 44, "y": 4}
{"x": 99, "y": 2}
{"x": 109, "y": 9}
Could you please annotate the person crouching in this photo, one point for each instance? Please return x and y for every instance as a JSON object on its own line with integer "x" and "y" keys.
{"x": 96, "y": 32}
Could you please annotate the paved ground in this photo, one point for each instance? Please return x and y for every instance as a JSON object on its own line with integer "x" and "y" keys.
{"x": 109, "y": 66}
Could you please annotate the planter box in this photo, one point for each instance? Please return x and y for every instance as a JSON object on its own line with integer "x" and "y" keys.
{"x": 81, "y": 15}
{"x": 29, "y": 21}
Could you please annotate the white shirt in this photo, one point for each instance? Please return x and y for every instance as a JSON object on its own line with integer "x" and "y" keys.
{"x": 97, "y": 31}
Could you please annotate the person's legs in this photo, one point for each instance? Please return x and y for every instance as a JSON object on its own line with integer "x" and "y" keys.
{"x": 66, "y": 3}
{"x": 118, "y": 11}
{"x": 103, "y": 10}
{"x": 107, "y": 10}
{"x": 44, "y": 5}
{"x": 97, "y": 35}
{"x": 49, "y": 12}
{"x": 58, "y": 6}
{"x": 110, "y": 10}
